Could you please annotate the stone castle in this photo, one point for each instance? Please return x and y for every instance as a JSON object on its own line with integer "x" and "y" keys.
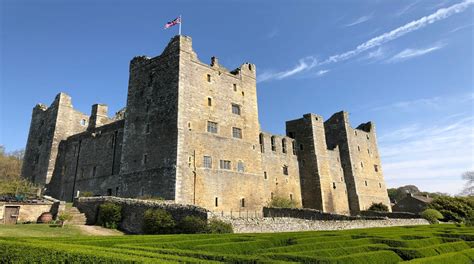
{"x": 190, "y": 133}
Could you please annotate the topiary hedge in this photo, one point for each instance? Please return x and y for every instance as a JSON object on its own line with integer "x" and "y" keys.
{"x": 110, "y": 215}
{"x": 432, "y": 215}
{"x": 158, "y": 221}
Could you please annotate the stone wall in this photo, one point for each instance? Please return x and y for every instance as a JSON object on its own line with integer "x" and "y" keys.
{"x": 285, "y": 224}
{"x": 134, "y": 209}
{"x": 30, "y": 212}
{"x": 401, "y": 215}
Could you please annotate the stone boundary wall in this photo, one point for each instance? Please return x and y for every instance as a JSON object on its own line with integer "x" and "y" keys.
{"x": 287, "y": 224}
{"x": 399, "y": 215}
{"x": 133, "y": 210}
{"x": 312, "y": 214}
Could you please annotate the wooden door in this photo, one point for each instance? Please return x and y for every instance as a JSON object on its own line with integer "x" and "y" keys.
{"x": 11, "y": 214}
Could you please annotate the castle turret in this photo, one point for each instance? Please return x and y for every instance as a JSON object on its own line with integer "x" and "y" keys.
{"x": 98, "y": 116}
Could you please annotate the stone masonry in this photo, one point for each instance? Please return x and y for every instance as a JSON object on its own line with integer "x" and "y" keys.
{"x": 190, "y": 133}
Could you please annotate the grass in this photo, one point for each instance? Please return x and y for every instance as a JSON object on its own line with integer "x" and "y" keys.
{"x": 415, "y": 244}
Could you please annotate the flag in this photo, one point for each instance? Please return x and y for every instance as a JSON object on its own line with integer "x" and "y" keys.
{"x": 173, "y": 22}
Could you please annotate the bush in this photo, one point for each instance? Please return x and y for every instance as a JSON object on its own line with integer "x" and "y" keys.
{"x": 281, "y": 202}
{"x": 469, "y": 221}
{"x": 431, "y": 215}
{"x": 86, "y": 194}
{"x": 110, "y": 215}
{"x": 158, "y": 221}
{"x": 192, "y": 225}
{"x": 63, "y": 217}
{"x": 379, "y": 207}
{"x": 217, "y": 226}
{"x": 453, "y": 208}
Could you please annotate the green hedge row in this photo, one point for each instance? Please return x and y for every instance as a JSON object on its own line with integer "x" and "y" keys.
{"x": 462, "y": 257}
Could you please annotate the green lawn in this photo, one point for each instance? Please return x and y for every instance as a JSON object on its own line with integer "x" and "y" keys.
{"x": 414, "y": 244}
{"x": 38, "y": 230}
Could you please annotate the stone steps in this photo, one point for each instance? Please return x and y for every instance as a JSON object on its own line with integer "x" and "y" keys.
{"x": 78, "y": 218}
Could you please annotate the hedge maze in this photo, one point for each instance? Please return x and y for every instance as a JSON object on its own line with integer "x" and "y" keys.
{"x": 444, "y": 243}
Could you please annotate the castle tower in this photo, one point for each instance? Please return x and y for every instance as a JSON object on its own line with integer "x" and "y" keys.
{"x": 49, "y": 125}
{"x": 322, "y": 183}
{"x": 360, "y": 161}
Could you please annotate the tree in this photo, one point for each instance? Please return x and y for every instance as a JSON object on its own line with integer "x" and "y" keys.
{"x": 468, "y": 190}
{"x": 11, "y": 183}
{"x": 380, "y": 207}
{"x": 431, "y": 215}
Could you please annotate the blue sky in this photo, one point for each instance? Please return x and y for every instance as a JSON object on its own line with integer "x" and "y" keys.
{"x": 406, "y": 65}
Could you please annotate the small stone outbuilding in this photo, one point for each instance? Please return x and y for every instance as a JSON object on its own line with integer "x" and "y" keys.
{"x": 412, "y": 203}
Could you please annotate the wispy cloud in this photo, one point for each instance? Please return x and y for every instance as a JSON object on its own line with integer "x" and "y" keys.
{"x": 359, "y": 20}
{"x": 271, "y": 34}
{"x": 440, "y": 14}
{"x": 322, "y": 72}
{"x": 432, "y": 103}
{"x": 412, "y": 53}
{"x": 406, "y": 8}
{"x": 461, "y": 28}
{"x": 304, "y": 64}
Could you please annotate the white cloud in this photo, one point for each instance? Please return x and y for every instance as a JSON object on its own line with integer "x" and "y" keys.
{"x": 412, "y": 53}
{"x": 440, "y": 14}
{"x": 322, "y": 72}
{"x": 304, "y": 64}
{"x": 360, "y": 20}
{"x": 407, "y": 8}
{"x": 432, "y": 103}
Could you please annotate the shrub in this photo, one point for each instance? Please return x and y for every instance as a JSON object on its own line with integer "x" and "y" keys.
{"x": 150, "y": 197}
{"x": 281, "y": 202}
{"x": 380, "y": 207}
{"x": 158, "y": 221}
{"x": 86, "y": 194}
{"x": 63, "y": 217}
{"x": 469, "y": 221}
{"x": 217, "y": 226}
{"x": 453, "y": 208}
{"x": 110, "y": 215}
{"x": 431, "y": 215}
{"x": 192, "y": 225}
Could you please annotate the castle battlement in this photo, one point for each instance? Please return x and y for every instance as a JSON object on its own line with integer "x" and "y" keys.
{"x": 190, "y": 132}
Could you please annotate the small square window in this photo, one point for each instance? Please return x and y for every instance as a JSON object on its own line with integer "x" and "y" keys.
{"x": 376, "y": 168}
{"x": 207, "y": 162}
{"x": 272, "y": 140}
{"x": 236, "y": 109}
{"x": 242, "y": 202}
{"x": 208, "y": 78}
{"x": 236, "y": 132}
{"x": 265, "y": 175}
{"x": 209, "y": 101}
{"x": 225, "y": 164}
{"x": 366, "y": 183}
{"x": 211, "y": 127}
{"x": 235, "y": 87}
{"x": 240, "y": 166}
{"x": 334, "y": 185}
{"x": 285, "y": 170}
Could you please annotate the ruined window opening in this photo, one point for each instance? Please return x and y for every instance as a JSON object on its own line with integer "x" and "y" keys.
{"x": 42, "y": 123}
{"x": 242, "y": 202}
{"x": 225, "y": 164}
{"x": 243, "y": 94}
{"x": 376, "y": 168}
{"x": 236, "y": 109}
{"x": 142, "y": 191}
{"x": 291, "y": 197}
{"x": 368, "y": 151}
{"x": 40, "y": 141}
{"x": 189, "y": 126}
{"x": 380, "y": 185}
{"x": 116, "y": 191}
{"x": 94, "y": 171}
{"x": 342, "y": 179}
{"x": 147, "y": 128}
{"x": 208, "y": 78}
{"x": 272, "y": 139}
{"x": 361, "y": 164}
{"x": 293, "y": 147}
{"x": 262, "y": 145}
{"x": 291, "y": 134}
{"x": 82, "y": 173}
{"x": 147, "y": 107}
{"x": 145, "y": 159}
{"x": 250, "y": 66}
{"x": 368, "y": 137}
{"x": 207, "y": 162}
{"x": 301, "y": 146}
{"x": 209, "y": 101}
{"x": 271, "y": 195}
{"x": 240, "y": 166}
{"x": 285, "y": 170}
{"x": 303, "y": 162}
{"x": 358, "y": 148}
{"x": 216, "y": 202}
{"x": 109, "y": 192}
{"x": 283, "y": 145}
{"x": 235, "y": 87}
{"x": 83, "y": 122}
{"x": 211, "y": 127}
{"x": 190, "y": 161}
{"x": 355, "y": 132}
{"x": 265, "y": 175}
{"x": 236, "y": 132}
{"x": 366, "y": 183}
{"x": 334, "y": 185}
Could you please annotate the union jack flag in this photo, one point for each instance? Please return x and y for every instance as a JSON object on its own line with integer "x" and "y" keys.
{"x": 173, "y": 22}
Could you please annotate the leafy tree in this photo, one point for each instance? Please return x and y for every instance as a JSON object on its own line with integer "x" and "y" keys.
{"x": 432, "y": 215}
{"x": 11, "y": 184}
{"x": 281, "y": 202}
{"x": 380, "y": 207}
{"x": 468, "y": 176}
{"x": 454, "y": 209}
{"x": 110, "y": 215}
{"x": 158, "y": 221}
{"x": 192, "y": 225}
{"x": 217, "y": 226}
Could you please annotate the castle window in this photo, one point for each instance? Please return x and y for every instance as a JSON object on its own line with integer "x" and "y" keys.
{"x": 262, "y": 145}
{"x": 368, "y": 137}
{"x": 240, "y": 166}
{"x": 361, "y": 164}
{"x": 366, "y": 183}
{"x": 209, "y": 101}
{"x": 216, "y": 202}
{"x": 236, "y": 132}
{"x": 142, "y": 191}
{"x": 285, "y": 170}
{"x": 225, "y": 164}
{"x": 283, "y": 145}
{"x": 334, "y": 185}
{"x": 82, "y": 173}
{"x": 75, "y": 149}
{"x": 109, "y": 192}
{"x": 83, "y": 122}
{"x": 235, "y": 87}
{"x": 208, "y": 78}
{"x": 368, "y": 151}
{"x": 265, "y": 175}
{"x": 376, "y": 168}
{"x": 358, "y": 148}
{"x": 207, "y": 162}
{"x": 94, "y": 171}
{"x": 116, "y": 191}
{"x": 250, "y": 66}
{"x": 147, "y": 106}
{"x": 271, "y": 195}
{"x": 355, "y": 132}
{"x": 303, "y": 162}
{"x": 293, "y": 146}
{"x": 63, "y": 171}
{"x": 40, "y": 142}
{"x": 380, "y": 185}
{"x": 301, "y": 146}
{"x": 236, "y": 109}
{"x": 145, "y": 159}
{"x": 291, "y": 197}
{"x": 147, "y": 128}
{"x": 242, "y": 202}
{"x": 272, "y": 139}
{"x": 211, "y": 127}
{"x": 189, "y": 126}
{"x": 291, "y": 134}
{"x": 342, "y": 179}
{"x": 243, "y": 93}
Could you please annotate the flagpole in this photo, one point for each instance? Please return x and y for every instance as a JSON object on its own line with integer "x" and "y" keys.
{"x": 180, "y": 22}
